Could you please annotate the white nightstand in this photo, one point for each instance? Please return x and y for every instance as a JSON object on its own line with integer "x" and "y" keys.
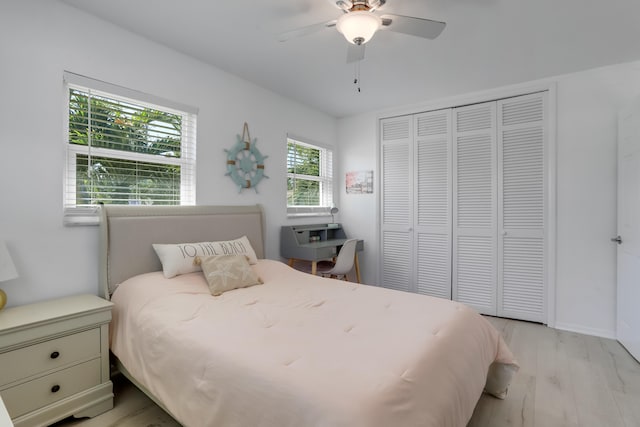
{"x": 54, "y": 360}
{"x": 5, "y": 421}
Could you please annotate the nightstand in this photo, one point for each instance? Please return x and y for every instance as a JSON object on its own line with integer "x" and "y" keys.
{"x": 5, "y": 421}
{"x": 54, "y": 360}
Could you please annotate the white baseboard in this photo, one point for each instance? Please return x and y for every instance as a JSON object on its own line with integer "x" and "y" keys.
{"x": 604, "y": 333}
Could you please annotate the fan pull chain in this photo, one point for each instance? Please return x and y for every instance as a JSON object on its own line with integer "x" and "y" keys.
{"x": 356, "y": 77}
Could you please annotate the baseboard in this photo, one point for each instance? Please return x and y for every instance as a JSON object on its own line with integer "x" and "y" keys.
{"x": 570, "y": 327}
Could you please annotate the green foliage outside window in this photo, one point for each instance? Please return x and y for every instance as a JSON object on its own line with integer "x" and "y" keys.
{"x": 125, "y": 128}
{"x": 304, "y": 163}
{"x": 113, "y": 181}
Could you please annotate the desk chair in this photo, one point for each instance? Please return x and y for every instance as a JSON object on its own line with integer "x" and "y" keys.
{"x": 344, "y": 261}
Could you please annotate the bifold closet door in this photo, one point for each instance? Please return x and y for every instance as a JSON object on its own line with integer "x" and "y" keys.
{"x": 463, "y": 205}
{"x": 433, "y": 188}
{"x": 475, "y": 207}
{"x": 521, "y": 217}
{"x": 397, "y": 262}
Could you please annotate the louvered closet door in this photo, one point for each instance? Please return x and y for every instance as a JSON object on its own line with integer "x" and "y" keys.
{"x": 397, "y": 203}
{"x": 475, "y": 207}
{"x": 433, "y": 203}
{"x": 521, "y": 267}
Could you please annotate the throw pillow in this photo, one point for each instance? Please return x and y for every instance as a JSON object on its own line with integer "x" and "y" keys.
{"x": 227, "y": 272}
{"x": 178, "y": 258}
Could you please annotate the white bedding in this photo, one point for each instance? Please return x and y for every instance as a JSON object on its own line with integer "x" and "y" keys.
{"x": 302, "y": 351}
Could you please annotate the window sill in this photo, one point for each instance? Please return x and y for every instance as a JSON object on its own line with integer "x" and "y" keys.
{"x": 306, "y": 214}
{"x": 74, "y": 217}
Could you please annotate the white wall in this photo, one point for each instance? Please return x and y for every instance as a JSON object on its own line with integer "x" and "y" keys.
{"x": 40, "y": 39}
{"x": 587, "y": 106}
{"x": 358, "y": 212}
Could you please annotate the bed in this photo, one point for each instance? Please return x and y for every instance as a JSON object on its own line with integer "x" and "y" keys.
{"x": 296, "y": 350}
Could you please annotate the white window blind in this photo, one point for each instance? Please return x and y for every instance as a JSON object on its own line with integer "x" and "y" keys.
{"x": 125, "y": 147}
{"x": 309, "y": 178}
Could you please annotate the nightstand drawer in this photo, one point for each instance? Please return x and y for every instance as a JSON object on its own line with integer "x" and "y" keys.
{"x": 43, "y": 391}
{"x": 42, "y": 357}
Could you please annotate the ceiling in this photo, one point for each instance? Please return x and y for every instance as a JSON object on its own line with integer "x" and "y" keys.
{"x": 487, "y": 43}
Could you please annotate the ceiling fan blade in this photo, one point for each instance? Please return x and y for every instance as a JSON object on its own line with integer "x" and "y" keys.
{"x": 376, "y": 4}
{"x": 342, "y": 4}
{"x": 303, "y": 31}
{"x": 419, "y": 27}
{"x": 355, "y": 53}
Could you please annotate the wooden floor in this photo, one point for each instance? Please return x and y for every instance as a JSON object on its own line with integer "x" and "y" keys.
{"x": 566, "y": 379}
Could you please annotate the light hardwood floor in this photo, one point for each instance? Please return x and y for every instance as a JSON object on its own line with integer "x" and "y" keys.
{"x": 565, "y": 379}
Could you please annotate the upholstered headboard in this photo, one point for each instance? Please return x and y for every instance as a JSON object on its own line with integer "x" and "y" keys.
{"x": 127, "y": 233}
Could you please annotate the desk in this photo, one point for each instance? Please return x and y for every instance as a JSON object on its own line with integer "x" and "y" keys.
{"x": 315, "y": 242}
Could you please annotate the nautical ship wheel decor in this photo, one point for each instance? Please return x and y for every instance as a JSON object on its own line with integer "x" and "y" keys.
{"x": 245, "y": 163}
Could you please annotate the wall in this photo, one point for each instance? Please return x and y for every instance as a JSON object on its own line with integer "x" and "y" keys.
{"x": 38, "y": 41}
{"x": 587, "y": 106}
{"x": 358, "y": 212}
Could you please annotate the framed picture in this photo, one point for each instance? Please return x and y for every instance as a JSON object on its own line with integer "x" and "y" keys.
{"x": 359, "y": 182}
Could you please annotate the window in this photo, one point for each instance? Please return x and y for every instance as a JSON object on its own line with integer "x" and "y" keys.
{"x": 309, "y": 178}
{"x": 125, "y": 147}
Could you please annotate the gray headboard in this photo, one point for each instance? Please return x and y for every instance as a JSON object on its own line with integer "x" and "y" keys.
{"x": 127, "y": 233}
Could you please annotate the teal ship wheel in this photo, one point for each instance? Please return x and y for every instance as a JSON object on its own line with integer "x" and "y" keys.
{"x": 245, "y": 164}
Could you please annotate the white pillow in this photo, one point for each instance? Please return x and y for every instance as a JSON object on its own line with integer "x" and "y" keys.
{"x": 178, "y": 258}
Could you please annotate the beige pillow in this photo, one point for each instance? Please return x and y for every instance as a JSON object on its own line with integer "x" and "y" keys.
{"x": 179, "y": 258}
{"x": 227, "y": 272}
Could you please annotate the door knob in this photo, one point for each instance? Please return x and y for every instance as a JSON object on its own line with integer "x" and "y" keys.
{"x": 617, "y": 239}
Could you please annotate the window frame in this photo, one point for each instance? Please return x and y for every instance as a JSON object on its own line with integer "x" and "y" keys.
{"x": 89, "y": 214}
{"x": 325, "y": 178}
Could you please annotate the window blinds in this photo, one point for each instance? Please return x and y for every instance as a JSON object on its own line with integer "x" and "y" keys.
{"x": 309, "y": 178}
{"x": 124, "y": 147}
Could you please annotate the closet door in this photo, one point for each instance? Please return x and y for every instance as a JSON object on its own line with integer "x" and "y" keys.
{"x": 396, "y": 268}
{"x": 433, "y": 203}
{"x": 521, "y": 189}
{"x": 475, "y": 207}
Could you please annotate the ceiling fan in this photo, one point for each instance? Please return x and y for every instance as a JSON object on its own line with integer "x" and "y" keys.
{"x": 359, "y": 23}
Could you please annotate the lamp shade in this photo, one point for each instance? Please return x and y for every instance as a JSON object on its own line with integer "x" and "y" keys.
{"x": 7, "y": 269}
{"x": 334, "y": 210}
{"x": 358, "y": 26}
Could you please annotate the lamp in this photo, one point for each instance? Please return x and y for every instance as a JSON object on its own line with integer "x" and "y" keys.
{"x": 358, "y": 26}
{"x": 7, "y": 271}
{"x": 333, "y": 211}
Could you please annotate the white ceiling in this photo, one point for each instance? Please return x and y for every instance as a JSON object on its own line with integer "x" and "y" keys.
{"x": 487, "y": 43}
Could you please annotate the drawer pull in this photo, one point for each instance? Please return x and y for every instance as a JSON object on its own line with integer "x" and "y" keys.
{"x": 55, "y": 355}
{"x": 55, "y": 388}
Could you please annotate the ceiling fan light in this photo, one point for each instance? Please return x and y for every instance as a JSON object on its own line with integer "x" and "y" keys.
{"x": 358, "y": 26}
